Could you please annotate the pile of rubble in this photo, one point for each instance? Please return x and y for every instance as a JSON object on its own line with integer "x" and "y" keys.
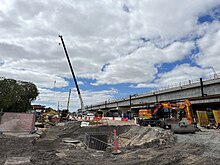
{"x": 138, "y": 136}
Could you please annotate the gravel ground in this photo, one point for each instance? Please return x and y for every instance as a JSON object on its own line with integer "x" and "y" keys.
{"x": 138, "y": 145}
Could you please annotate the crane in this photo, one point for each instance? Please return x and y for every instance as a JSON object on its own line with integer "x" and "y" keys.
{"x": 74, "y": 77}
{"x": 68, "y": 101}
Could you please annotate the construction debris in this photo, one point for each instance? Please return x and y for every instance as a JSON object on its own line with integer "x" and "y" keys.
{"x": 17, "y": 160}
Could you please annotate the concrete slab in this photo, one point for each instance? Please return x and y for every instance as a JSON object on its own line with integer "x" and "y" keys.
{"x": 84, "y": 124}
{"x": 61, "y": 155}
{"x": 17, "y": 160}
{"x": 70, "y": 140}
{"x": 22, "y": 135}
{"x": 17, "y": 122}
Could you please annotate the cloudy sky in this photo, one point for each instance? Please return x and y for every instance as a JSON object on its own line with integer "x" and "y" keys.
{"x": 117, "y": 47}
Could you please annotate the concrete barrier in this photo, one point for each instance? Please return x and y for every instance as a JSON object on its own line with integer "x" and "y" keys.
{"x": 88, "y": 118}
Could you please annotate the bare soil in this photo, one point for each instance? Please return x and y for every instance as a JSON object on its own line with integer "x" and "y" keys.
{"x": 138, "y": 145}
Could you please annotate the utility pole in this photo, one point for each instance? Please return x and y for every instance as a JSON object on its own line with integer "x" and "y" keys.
{"x": 68, "y": 101}
{"x": 58, "y": 106}
{"x": 215, "y": 74}
{"x": 74, "y": 77}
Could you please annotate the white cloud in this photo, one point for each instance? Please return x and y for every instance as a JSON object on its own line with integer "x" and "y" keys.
{"x": 139, "y": 66}
{"x": 180, "y": 75}
{"x": 210, "y": 48}
{"x": 167, "y": 19}
{"x": 51, "y": 97}
{"x": 40, "y": 79}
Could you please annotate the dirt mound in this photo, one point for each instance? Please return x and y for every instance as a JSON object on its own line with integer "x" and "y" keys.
{"x": 139, "y": 136}
{"x": 74, "y": 130}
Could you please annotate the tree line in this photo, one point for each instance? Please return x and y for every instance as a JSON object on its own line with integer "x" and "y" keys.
{"x": 16, "y": 96}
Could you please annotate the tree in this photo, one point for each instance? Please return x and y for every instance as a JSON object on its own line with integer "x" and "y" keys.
{"x": 16, "y": 96}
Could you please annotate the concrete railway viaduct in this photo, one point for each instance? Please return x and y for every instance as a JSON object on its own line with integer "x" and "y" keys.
{"x": 202, "y": 94}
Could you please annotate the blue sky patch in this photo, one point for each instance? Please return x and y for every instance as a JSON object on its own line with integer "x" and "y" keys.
{"x": 213, "y": 14}
{"x": 205, "y": 18}
{"x": 166, "y": 67}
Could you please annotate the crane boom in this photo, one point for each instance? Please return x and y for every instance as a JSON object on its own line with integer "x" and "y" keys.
{"x": 68, "y": 101}
{"x": 74, "y": 77}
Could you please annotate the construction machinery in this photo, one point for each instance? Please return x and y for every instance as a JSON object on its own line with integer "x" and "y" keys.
{"x": 73, "y": 74}
{"x": 177, "y": 116}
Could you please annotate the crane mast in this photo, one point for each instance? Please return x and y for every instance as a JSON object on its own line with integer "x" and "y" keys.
{"x": 74, "y": 77}
{"x": 68, "y": 101}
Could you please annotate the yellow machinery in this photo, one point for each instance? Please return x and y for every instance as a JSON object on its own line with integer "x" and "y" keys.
{"x": 145, "y": 113}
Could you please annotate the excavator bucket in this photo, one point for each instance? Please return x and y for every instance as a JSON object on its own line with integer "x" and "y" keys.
{"x": 183, "y": 128}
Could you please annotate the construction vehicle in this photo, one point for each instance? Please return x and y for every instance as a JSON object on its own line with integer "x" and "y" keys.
{"x": 73, "y": 75}
{"x": 177, "y": 116}
{"x": 160, "y": 115}
{"x": 145, "y": 113}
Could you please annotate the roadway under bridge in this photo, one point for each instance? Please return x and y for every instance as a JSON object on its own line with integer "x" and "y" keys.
{"x": 202, "y": 94}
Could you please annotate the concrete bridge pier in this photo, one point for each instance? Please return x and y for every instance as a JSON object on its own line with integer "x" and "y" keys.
{"x": 124, "y": 110}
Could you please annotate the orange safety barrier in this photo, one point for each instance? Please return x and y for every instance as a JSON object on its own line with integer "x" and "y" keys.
{"x": 55, "y": 119}
{"x": 124, "y": 119}
{"x": 97, "y": 118}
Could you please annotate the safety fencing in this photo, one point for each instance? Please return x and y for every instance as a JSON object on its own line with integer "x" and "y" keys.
{"x": 98, "y": 141}
{"x": 204, "y": 119}
{"x": 217, "y": 116}
{"x": 101, "y": 140}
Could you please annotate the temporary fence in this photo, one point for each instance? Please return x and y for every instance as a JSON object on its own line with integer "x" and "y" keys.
{"x": 17, "y": 122}
{"x": 203, "y": 118}
{"x": 97, "y": 140}
{"x": 216, "y": 114}
{"x": 101, "y": 140}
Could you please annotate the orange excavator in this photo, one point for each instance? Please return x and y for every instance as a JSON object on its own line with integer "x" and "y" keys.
{"x": 177, "y": 116}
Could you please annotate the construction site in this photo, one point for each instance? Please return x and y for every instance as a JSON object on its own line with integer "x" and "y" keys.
{"x": 105, "y": 140}
{"x": 146, "y": 89}
{"x": 163, "y": 127}
{"x": 176, "y": 125}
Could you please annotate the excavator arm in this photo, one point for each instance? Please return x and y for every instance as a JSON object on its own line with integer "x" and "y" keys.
{"x": 188, "y": 111}
{"x": 183, "y": 127}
